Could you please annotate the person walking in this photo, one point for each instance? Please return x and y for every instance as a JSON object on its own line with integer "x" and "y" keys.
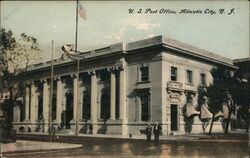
{"x": 157, "y": 131}
{"x": 149, "y": 132}
{"x": 90, "y": 129}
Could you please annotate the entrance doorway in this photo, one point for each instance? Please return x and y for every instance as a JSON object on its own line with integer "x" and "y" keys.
{"x": 174, "y": 117}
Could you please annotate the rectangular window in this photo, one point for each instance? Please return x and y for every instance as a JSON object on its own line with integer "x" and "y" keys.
{"x": 144, "y": 73}
{"x": 203, "y": 79}
{"x": 189, "y": 77}
{"x": 144, "y": 107}
{"x": 173, "y": 73}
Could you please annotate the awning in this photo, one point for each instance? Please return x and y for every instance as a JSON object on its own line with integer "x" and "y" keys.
{"x": 218, "y": 114}
{"x": 19, "y": 99}
{"x": 205, "y": 113}
{"x": 191, "y": 110}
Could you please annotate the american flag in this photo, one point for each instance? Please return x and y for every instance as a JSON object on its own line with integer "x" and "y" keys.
{"x": 82, "y": 12}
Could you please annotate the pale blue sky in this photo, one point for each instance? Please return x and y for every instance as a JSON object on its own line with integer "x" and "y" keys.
{"x": 109, "y": 22}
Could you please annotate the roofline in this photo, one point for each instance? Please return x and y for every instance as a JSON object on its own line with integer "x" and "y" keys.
{"x": 241, "y": 60}
{"x": 186, "y": 52}
{"x": 161, "y": 41}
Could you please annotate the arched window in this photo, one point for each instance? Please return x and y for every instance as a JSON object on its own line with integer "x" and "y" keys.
{"x": 69, "y": 108}
{"x": 86, "y": 108}
{"x": 54, "y": 107}
{"x": 40, "y": 107}
{"x": 105, "y": 104}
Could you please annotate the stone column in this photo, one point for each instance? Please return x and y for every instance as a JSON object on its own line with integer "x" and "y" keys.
{"x": 59, "y": 92}
{"x": 27, "y": 100}
{"x": 123, "y": 101}
{"x": 34, "y": 104}
{"x": 45, "y": 105}
{"x": 16, "y": 114}
{"x": 94, "y": 100}
{"x": 113, "y": 95}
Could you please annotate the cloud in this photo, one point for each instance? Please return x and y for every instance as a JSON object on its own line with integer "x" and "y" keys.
{"x": 128, "y": 25}
{"x": 138, "y": 23}
{"x": 116, "y": 37}
{"x": 147, "y": 26}
{"x": 150, "y": 35}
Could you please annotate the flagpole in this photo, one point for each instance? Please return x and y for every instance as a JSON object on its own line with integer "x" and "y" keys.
{"x": 77, "y": 73}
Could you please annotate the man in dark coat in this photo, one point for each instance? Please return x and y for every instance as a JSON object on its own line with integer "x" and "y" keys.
{"x": 149, "y": 132}
{"x": 157, "y": 131}
{"x": 90, "y": 129}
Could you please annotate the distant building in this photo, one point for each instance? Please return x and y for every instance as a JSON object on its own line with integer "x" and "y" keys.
{"x": 244, "y": 67}
{"x": 122, "y": 88}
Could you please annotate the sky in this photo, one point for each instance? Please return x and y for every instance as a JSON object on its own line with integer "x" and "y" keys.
{"x": 110, "y": 22}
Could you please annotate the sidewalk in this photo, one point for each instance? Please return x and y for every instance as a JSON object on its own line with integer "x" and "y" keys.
{"x": 24, "y": 145}
{"x": 232, "y": 136}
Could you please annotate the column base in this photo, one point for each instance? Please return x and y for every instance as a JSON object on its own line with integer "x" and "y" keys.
{"x": 45, "y": 127}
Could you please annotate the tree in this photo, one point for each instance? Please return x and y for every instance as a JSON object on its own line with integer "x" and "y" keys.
{"x": 227, "y": 89}
{"x": 217, "y": 93}
{"x": 15, "y": 57}
{"x": 216, "y": 97}
{"x": 242, "y": 96}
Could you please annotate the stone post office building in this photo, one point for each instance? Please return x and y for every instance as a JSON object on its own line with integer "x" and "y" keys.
{"x": 123, "y": 87}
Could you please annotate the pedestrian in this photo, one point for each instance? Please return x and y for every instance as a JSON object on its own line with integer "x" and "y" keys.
{"x": 29, "y": 128}
{"x": 149, "y": 132}
{"x": 53, "y": 132}
{"x": 57, "y": 138}
{"x": 21, "y": 129}
{"x": 157, "y": 131}
{"x": 90, "y": 129}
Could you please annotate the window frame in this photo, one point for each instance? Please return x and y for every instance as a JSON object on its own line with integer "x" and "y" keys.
{"x": 188, "y": 79}
{"x": 205, "y": 79}
{"x": 176, "y": 73}
{"x": 139, "y": 73}
{"x": 144, "y": 73}
{"x": 145, "y": 106}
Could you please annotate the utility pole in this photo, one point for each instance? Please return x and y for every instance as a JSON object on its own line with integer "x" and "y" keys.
{"x": 51, "y": 91}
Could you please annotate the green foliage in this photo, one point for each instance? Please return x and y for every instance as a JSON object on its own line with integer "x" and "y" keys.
{"x": 228, "y": 88}
{"x": 216, "y": 95}
{"x": 15, "y": 56}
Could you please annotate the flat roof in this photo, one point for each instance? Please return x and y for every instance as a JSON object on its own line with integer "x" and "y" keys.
{"x": 142, "y": 44}
{"x": 242, "y": 60}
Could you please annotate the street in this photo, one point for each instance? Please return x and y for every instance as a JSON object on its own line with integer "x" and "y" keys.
{"x": 142, "y": 148}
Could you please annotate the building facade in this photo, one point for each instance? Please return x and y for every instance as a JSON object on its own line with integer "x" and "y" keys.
{"x": 122, "y": 88}
{"x": 244, "y": 70}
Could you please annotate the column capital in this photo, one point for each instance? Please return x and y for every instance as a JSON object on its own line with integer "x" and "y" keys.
{"x": 112, "y": 69}
{"x": 121, "y": 67}
{"x": 58, "y": 78}
{"x": 28, "y": 83}
{"x": 34, "y": 88}
{"x": 91, "y": 72}
{"x": 44, "y": 80}
{"x": 73, "y": 75}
